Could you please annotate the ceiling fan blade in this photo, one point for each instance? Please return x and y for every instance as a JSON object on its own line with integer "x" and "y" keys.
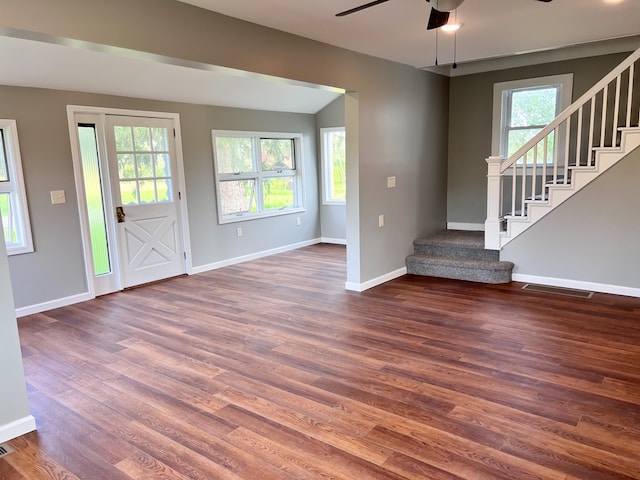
{"x": 437, "y": 19}
{"x": 361, "y": 7}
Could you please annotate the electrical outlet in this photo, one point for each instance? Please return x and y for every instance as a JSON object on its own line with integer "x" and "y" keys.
{"x": 381, "y": 221}
{"x": 57, "y": 196}
{"x": 391, "y": 182}
{"x": 298, "y": 221}
{"x": 239, "y": 231}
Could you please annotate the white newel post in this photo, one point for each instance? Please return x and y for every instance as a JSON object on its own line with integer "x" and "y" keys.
{"x": 494, "y": 202}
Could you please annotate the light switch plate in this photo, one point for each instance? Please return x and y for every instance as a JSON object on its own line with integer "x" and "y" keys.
{"x": 58, "y": 196}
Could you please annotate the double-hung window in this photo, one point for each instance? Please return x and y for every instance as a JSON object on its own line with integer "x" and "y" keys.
{"x": 257, "y": 174}
{"x": 334, "y": 164}
{"x": 13, "y": 202}
{"x": 524, "y": 107}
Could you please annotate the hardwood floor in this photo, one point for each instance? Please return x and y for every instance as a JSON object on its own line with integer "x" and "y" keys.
{"x": 271, "y": 370}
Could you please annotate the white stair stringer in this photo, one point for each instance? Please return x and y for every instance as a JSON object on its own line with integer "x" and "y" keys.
{"x": 581, "y": 176}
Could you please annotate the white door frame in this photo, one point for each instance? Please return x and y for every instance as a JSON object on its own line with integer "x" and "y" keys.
{"x": 74, "y": 113}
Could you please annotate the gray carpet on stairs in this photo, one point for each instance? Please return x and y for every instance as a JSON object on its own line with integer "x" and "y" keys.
{"x": 459, "y": 255}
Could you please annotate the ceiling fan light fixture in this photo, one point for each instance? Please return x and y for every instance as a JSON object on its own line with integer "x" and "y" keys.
{"x": 451, "y": 27}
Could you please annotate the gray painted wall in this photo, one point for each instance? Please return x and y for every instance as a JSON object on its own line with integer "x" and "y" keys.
{"x": 470, "y": 117}
{"x": 600, "y": 229}
{"x": 13, "y": 399}
{"x": 333, "y": 218}
{"x": 401, "y": 113}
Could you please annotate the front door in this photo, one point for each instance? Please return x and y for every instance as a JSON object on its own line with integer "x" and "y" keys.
{"x": 143, "y": 167}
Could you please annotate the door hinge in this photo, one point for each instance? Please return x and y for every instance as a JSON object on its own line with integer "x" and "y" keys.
{"x": 179, "y": 195}
{"x": 174, "y": 133}
{"x": 185, "y": 255}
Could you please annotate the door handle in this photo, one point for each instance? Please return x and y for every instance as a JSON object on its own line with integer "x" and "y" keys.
{"x": 120, "y": 214}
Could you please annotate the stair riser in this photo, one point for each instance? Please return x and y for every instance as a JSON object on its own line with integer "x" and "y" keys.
{"x": 457, "y": 252}
{"x": 457, "y": 273}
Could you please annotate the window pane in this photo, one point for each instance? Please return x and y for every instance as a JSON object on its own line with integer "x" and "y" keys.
{"x": 277, "y": 154}
{"x": 145, "y": 165}
{"x": 234, "y": 154}
{"x": 129, "y": 192}
{"x": 533, "y": 107}
{"x": 238, "y": 197}
{"x": 4, "y": 168}
{"x": 126, "y": 166}
{"x": 337, "y": 166}
{"x": 124, "y": 139}
{"x": 95, "y": 203}
{"x": 517, "y": 138}
{"x": 8, "y": 219}
{"x": 278, "y": 193}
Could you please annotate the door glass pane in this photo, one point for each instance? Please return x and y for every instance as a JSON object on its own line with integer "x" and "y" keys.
{"x": 238, "y": 196}
{"x": 124, "y": 139}
{"x": 145, "y": 165}
{"x": 150, "y": 165}
{"x": 234, "y": 154}
{"x": 129, "y": 192}
{"x": 147, "y": 191}
{"x": 278, "y": 193}
{"x": 94, "y": 198}
{"x": 4, "y": 170}
{"x": 142, "y": 139}
{"x": 126, "y": 166}
{"x": 162, "y": 165}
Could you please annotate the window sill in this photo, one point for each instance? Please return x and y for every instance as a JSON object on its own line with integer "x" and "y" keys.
{"x": 256, "y": 216}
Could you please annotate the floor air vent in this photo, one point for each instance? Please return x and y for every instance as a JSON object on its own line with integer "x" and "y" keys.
{"x": 5, "y": 450}
{"x": 570, "y": 292}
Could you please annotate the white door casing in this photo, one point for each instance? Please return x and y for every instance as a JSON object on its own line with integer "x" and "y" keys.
{"x": 153, "y": 242}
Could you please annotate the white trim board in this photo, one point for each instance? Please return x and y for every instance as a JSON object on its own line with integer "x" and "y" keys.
{"x": 471, "y": 227}
{"x": 374, "y": 282}
{"x": 578, "y": 285}
{"x": 16, "y": 428}
{"x": 51, "y": 304}
{"x": 253, "y": 256}
{"x": 334, "y": 241}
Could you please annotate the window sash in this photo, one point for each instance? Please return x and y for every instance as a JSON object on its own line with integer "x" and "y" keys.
{"x": 331, "y": 185}
{"x": 15, "y": 217}
{"x": 273, "y": 156}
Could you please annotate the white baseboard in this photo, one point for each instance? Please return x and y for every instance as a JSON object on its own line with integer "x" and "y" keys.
{"x": 335, "y": 241}
{"x": 50, "y": 305}
{"x": 361, "y": 287}
{"x": 578, "y": 285}
{"x": 253, "y": 256}
{"x": 472, "y": 227}
{"x": 15, "y": 429}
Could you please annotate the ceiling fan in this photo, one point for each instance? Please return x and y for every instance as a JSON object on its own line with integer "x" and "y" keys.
{"x": 438, "y": 17}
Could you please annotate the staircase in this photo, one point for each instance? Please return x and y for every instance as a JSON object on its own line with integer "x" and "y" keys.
{"x": 459, "y": 255}
{"x": 585, "y": 140}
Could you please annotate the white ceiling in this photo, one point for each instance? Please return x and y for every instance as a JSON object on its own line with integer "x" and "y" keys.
{"x": 395, "y": 30}
{"x": 83, "y": 67}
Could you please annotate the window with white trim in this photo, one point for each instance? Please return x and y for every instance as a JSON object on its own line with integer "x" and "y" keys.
{"x": 334, "y": 165}
{"x": 258, "y": 174}
{"x": 522, "y": 108}
{"x": 13, "y": 201}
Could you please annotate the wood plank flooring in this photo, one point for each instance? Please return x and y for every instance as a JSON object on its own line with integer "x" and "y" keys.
{"x": 271, "y": 370}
